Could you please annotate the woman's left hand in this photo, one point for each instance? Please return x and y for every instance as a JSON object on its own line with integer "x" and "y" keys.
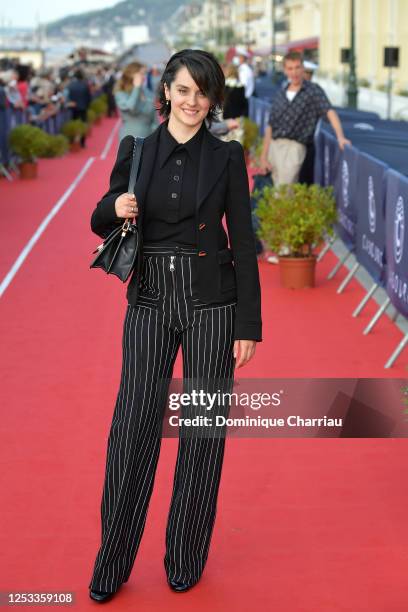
{"x": 244, "y": 350}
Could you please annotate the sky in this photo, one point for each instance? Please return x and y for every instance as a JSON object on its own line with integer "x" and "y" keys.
{"x": 27, "y": 13}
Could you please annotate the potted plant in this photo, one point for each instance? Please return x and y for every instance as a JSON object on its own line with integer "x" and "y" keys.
{"x": 256, "y": 152}
{"x": 103, "y": 100}
{"x": 251, "y": 136}
{"x": 55, "y": 146}
{"x": 294, "y": 219}
{"x": 28, "y": 142}
{"x": 99, "y": 107}
{"x": 90, "y": 119}
{"x": 73, "y": 130}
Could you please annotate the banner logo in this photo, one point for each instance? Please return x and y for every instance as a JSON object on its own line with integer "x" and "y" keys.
{"x": 345, "y": 177}
{"x": 399, "y": 229}
{"x": 371, "y": 205}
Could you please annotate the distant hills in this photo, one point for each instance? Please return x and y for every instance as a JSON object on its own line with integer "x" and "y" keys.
{"x": 109, "y": 20}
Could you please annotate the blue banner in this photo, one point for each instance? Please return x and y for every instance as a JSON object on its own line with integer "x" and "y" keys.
{"x": 318, "y": 160}
{"x": 396, "y": 241}
{"x": 370, "y": 230}
{"x": 345, "y": 191}
{"x": 330, "y": 159}
{"x": 385, "y": 140}
{"x": 4, "y": 151}
{"x": 259, "y": 111}
{"x": 326, "y": 158}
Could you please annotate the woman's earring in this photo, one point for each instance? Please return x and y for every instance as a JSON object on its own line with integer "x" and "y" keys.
{"x": 167, "y": 102}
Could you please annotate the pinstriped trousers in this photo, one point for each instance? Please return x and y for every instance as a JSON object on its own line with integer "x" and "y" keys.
{"x": 168, "y": 314}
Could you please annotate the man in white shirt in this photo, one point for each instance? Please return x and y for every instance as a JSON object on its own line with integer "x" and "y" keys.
{"x": 246, "y": 76}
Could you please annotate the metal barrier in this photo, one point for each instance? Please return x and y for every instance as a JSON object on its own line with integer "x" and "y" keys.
{"x": 10, "y": 118}
{"x": 372, "y": 202}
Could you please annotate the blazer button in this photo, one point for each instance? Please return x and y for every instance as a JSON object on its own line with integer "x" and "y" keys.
{"x": 201, "y": 226}
{"x": 202, "y": 253}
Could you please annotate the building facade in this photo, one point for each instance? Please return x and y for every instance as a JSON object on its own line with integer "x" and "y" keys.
{"x": 378, "y": 24}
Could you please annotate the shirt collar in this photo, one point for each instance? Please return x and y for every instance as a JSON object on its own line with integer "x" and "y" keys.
{"x": 304, "y": 85}
{"x": 168, "y": 144}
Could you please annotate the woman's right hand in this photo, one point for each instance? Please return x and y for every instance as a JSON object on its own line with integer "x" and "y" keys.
{"x": 126, "y": 206}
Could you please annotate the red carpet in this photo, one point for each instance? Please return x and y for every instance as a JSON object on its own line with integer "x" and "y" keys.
{"x": 303, "y": 524}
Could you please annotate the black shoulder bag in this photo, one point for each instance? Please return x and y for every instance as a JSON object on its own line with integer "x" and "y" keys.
{"x": 117, "y": 254}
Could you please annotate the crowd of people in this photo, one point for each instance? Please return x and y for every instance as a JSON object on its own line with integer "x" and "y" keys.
{"x": 131, "y": 92}
{"x": 135, "y": 95}
{"x": 287, "y": 152}
{"x": 43, "y": 93}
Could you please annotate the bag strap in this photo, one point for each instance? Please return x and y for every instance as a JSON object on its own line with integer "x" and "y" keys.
{"x": 137, "y": 154}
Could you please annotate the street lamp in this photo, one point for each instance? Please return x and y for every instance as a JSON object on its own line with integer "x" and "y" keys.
{"x": 352, "y": 91}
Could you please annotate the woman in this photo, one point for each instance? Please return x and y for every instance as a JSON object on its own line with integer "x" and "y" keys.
{"x": 235, "y": 102}
{"x": 185, "y": 291}
{"x": 135, "y": 102}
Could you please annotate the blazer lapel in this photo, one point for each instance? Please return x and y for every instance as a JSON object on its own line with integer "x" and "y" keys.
{"x": 213, "y": 160}
{"x": 146, "y": 167}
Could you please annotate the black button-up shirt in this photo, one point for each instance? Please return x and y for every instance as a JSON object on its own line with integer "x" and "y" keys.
{"x": 172, "y": 193}
{"x": 297, "y": 119}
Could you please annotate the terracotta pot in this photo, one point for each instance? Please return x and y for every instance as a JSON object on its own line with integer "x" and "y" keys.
{"x": 74, "y": 147}
{"x": 297, "y": 272}
{"x": 28, "y": 170}
{"x": 98, "y": 120}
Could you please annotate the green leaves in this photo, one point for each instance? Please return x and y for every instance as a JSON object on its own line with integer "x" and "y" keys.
{"x": 56, "y": 146}
{"x": 296, "y": 216}
{"x": 99, "y": 105}
{"x": 30, "y": 142}
{"x": 90, "y": 116}
{"x": 251, "y": 133}
{"x": 74, "y": 129}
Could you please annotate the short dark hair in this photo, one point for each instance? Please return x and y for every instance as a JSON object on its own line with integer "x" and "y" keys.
{"x": 293, "y": 56}
{"x": 206, "y": 72}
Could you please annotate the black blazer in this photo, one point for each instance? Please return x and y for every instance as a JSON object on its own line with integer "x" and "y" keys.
{"x": 223, "y": 273}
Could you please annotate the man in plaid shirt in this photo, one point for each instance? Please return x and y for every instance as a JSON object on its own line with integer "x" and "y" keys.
{"x": 296, "y": 109}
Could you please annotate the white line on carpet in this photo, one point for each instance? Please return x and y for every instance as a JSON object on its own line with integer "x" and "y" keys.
{"x": 110, "y": 140}
{"x": 26, "y": 250}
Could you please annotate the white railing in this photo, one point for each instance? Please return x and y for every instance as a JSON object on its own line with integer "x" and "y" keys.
{"x": 368, "y": 99}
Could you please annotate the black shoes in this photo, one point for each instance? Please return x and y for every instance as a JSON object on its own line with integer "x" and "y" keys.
{"x": 100, "y": 596}
{"x": 175, "y": 585}
{"x": 179, "y": 587}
